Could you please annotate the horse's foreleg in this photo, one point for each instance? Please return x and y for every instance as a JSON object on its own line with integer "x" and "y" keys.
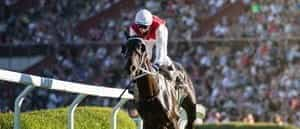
{"x": 190, "y": 107}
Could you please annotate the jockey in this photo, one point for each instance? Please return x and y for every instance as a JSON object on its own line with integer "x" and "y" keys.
{"x": 155, "y": 34}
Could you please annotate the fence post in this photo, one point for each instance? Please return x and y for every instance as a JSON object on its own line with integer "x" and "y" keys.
{"x": 72, "y": 108}
{"x": 139, "y": 122}
{"x": 115, "y": 111}
{"x": 18, "y": 105}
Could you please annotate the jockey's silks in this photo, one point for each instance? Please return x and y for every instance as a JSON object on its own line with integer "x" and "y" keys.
{"x": 151, "y": 34}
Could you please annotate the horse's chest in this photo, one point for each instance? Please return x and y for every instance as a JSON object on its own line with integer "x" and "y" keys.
{"x": 152, "y": 110}
{"x": 152, "y": 105}
{"x": 165, "y": 101}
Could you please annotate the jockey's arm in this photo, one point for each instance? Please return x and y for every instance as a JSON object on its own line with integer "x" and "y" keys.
{"x": 161, "y": 46}
{"x": 131, "y": 32}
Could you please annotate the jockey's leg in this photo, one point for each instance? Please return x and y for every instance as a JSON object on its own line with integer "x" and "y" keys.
{"x": 178, "y": 75}
{"x": 166, "y": 70}
{"x": 172, "y": 72}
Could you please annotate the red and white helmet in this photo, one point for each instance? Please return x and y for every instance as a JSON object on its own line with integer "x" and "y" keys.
{"x": 143, "y": 17}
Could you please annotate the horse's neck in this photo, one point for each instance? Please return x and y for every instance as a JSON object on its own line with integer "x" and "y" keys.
{"x": 147, "y": 86}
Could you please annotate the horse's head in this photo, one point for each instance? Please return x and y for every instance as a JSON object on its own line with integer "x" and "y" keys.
{"x": 136, "y": 55}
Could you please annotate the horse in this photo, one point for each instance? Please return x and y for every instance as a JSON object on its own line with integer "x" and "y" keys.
{"x": 158, "y": 101}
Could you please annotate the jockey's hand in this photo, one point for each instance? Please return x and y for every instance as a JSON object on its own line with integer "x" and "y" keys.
{"x": 155, "y": 66}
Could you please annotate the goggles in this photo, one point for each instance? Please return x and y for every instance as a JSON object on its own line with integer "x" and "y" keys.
{"x": 142, "y": 26}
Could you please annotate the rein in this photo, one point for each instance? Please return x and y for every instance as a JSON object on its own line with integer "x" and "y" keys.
{"x": 145, "y": 72}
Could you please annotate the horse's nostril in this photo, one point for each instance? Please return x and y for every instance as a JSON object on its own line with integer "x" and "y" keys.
{"x": 132, "y": 68}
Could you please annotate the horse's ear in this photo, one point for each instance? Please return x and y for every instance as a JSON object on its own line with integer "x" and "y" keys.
{"x": 123, "y": 50}
{"x": 126, "y": 33}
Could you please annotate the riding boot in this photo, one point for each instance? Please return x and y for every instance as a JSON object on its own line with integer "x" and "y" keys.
{"x": 166, "y": 71}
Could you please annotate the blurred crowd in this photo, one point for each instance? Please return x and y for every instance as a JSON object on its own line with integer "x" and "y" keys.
{"x": 55, "y": 21}
{"x": 259, "y": 81}
{"x": 250, "y": 81}
{"x": 262, "y": 18}
{"x": 48, "y": 22}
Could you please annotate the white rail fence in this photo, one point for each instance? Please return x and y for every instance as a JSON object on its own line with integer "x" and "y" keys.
{"x": 83, "y": 90}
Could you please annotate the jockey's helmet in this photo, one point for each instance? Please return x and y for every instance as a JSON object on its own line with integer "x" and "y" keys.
{"x": 143, "y": 17}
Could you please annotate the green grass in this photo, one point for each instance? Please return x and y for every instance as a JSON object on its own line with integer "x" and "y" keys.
{"x": 237, "y": 125}
{"x": 99, "y": 118}
{"x": 85, "y": 118}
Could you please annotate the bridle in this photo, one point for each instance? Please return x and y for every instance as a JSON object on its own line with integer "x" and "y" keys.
{"x": 141, "y": 66}
{"x": 145, "y": 71}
